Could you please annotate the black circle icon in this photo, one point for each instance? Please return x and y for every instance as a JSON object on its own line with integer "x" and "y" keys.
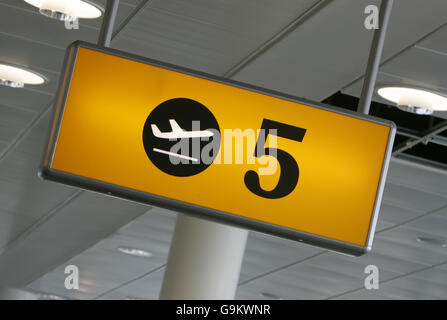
{"x": 181, "y": 137}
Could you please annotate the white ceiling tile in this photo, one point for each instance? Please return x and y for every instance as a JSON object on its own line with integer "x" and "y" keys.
{"x": 286, "y": 284}
{"x": 401, "y": 243}
{"x": 3, "y": 146}
{"x": 382, "y": 224}
{"x": 26, "y": 98}
{"x": 40, "y": 28}
{"x": 436, "y": 41}
{"x": 418, "y": 178}
{"x": 412, "y": 199}
{"x": 425, "y": 66}
{"x": 429, "y": 284}
{"x": 434, "y": 224}
{"x": 12, "y": 121}
{"x": 443, "y": 266}
{"x": 11, "y": 225}
{"x": 330, "y": 49}
{"x": 207, "y": 36}
{"x": 352, "y": 266}
{"x": 364, "y": 294}
{"x": 386, "y": 260}
{"x": 67, "y": 232}
{"x": 318, "y": 58}
{"x": 395, "y": 214}
{"x": 25, "y": 52}
{"x": 265, "y": 253}
{"x": 154, "y": 235}
{"x": 147, "y": 287}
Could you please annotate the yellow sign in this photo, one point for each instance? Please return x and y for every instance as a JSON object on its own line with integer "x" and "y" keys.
{"x": 155, "y": 133}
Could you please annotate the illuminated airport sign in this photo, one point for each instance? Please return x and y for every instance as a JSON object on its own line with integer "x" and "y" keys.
{"x": 160, "y": 134}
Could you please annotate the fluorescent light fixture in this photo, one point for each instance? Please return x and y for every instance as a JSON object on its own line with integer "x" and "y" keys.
{"x": 414, "y": 100}
{"x": 135, "y": 252}
{"x": 67, "y": 9}
{"x": 17, "y": 77}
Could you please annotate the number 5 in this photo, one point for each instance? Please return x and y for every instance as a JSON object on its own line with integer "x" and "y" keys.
{"x": 288, "y": 178}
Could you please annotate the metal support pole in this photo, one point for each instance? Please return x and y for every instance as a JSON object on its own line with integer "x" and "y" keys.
{"x": 108, "y": 22}
{"x": 375, "y": 55}
{"x": 204, "y": 261}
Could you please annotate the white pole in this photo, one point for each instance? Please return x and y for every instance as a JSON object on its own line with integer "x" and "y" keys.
{"x": 375, "y": 55}
{"x": 204, "y": 260}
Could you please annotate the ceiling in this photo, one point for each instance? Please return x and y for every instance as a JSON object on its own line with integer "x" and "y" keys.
{"x": 307, "y": 48}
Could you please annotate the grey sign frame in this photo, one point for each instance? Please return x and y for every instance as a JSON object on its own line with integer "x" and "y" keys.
{"x": 47, "y": 173}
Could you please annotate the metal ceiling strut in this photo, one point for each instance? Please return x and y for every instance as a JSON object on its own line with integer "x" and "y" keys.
{"x": 108, "y": 22}
{"x": 375, "y": 55}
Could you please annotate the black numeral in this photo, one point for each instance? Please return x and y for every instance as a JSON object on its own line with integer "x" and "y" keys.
{"x": 288, "y": 178}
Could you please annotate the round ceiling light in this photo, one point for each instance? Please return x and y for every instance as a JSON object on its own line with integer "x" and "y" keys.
{"x": 16, "y": 77}
{"x": 67, "y": 9}
{"x": 135, "y": 252}
{"x": 414, "y": 100}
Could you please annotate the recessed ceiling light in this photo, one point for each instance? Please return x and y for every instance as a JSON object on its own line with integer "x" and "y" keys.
{"x": 270, "y": 296}
{"x": 414, "y": 100}
{"x": 432, "y": 241}
{"x": 135, "y": 252}
{"x": 17, "y": 77}
{"x": 67, "y": 9}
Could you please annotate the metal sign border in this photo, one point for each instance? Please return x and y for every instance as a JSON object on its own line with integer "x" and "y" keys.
{"x": 47, "y": 173}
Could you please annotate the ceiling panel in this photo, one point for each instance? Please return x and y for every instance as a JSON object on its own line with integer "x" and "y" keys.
{"x": 39, "y": 28}
{"x": 23, "y": 52}
{"x": 401, "y": 243}
{"x": 204, "y": 35}
{"x": 22, "y": 192}
{"x": 443, "y": 266}
{"x": 147, "y": 287}
{"x": 12, "y": 121}
{"x": 285, "y": 284}
{"x": 103, "y": 269}
{"x": 412, "y": 199}
{"x": 45, "y": 226}
{"x": 265, "y": 253}
{"x": 330, "y": 50}
{"x": 427, "y": 284}
{"x": 3, "y": 146}
{"x": 395, "y": 215}
{"x": 11, "y": 225}
{"x": 302, "y": 281}
{"x": 125, "y": 8}
{"x": 425, "y": 66}
{"x": 151, "y": 232}
{"x": 434, "y": 224}
{"x": 417, "y": 177}
{"x": 51, "y": 243}
{"x": 365, "y": 294}
{"x": 25, "y": 98}
{"x": 436, "y": 41}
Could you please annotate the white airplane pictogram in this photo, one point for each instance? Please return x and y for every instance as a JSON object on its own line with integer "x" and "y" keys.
{"x": 178, "y": 133}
